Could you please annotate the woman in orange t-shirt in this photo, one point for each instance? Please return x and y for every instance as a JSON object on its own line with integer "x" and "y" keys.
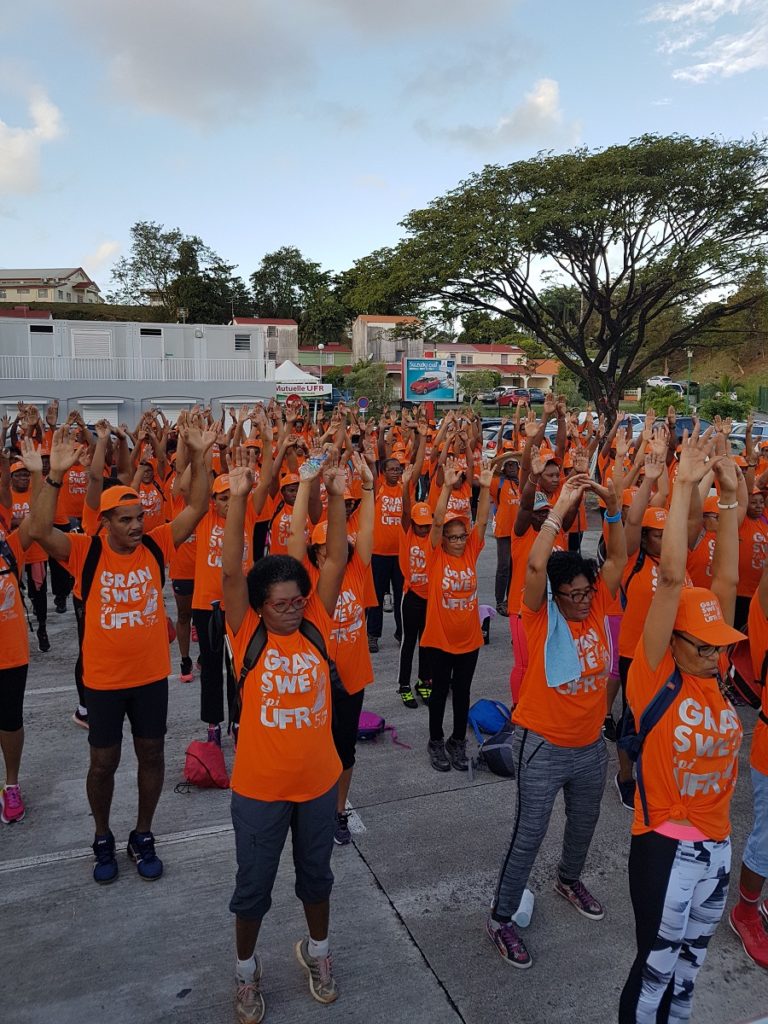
{"x": 452, "y": 630}
{"x": 753, "y": 551}
{"x": 680, "y": 852}
{"x": 386, "y": 540}
{"x": 348, "y": 645}
{"x": 415, "y": 549}
{"x": 14, "y": 663}
{"x": 286, "y": 766}
{"x": 505, "y": 494}
{"x": 35, "y": 558}
{"x": 558, "y": 743}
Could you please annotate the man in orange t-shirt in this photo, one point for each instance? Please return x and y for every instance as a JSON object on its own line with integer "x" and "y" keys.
{"x": 505, "y": 494}
{"x": 753, "y": 552}
{"x": 35, "y": 559}
{"x": 414, "y": 552}
{"x": 126, "y": 661}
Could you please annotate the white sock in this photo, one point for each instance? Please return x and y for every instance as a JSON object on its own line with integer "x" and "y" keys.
{"x": 82, "y": 710}
{"x": 317, "y": 949}
{"x": 246, "y": 969}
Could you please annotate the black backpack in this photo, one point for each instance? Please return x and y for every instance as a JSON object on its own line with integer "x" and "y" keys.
{"x": 94, "y": 554}
{"x": 6, "y": 551}
{"x": 631, "y": 739}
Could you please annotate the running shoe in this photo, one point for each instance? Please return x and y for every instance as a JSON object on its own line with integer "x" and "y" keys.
{"x": 60, "y": 604}
{"x": 105, "y": 866}
{"x": 186, "y": 675}
{"x": 626, "y": 791}
{"x": 42, "y": 639}
{"x": 249, "y": 1001}
{"x": 424, "y": 689}
{"x": 408, "y": 699}
{"x": 320, "y": 971}
{"x": 457, "y": 754}
{"x": 579, "y": 896}
{"x": 141, "y": 850}
{"x": 214, "y": 734}
{"x": 437, "y": 756}
{"x": 502, "y": 609}
{"x": 763, "y": 910}
{"x": 193, "y": 634}
{"x": 12, "y": 805}
{"x": 508, "y": 943}
{"x": 80, "y": 719}
{"x": 387, "y": 603}
{"x": 342, "y": 836}
{"x": 609, "y": 729}
{"x": 373, "y": 644}
{"x": 753, "y": 935}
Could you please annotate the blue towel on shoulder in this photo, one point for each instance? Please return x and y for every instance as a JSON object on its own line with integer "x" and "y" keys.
{"x": 561, "y": 658}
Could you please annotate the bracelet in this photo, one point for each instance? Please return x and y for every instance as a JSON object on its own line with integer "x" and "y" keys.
{"x": 52, "y": 483}
{"x": 552, "y": 525}
{"x": 725, "y": 508}
{"x": 366, "y": 488}
{"x": 612, "y": 519}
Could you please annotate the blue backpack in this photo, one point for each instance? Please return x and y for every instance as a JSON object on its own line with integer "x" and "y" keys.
{"x": 489, "y": 717}
{"x": 631, "y": 739}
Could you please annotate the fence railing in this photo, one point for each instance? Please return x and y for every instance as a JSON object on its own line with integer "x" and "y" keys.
{"x": 168, "y": 369}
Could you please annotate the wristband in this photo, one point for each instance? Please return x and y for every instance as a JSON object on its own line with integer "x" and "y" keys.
{"x": 366, "y": 488}
{"x": 612, "y": 519}
{"x": 725, "y": 508}
{"x": 52, "y": 483}
{"x": 552, "y": 525}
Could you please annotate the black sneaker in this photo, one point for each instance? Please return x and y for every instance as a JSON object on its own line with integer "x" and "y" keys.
{"x": 105, "y": 869}
{"x": 141, "y": 850}
{"x": 60, "y": 604}
{"x": 457, "y": 754}
{"x": 408, "y": 699}
{"x": 626, "y": 791}
{"x": 424, "y": 689}
{"x": 80, "y": 719}
{"x": 437, "y": 756}
{"x": 342, "y": 836}
{"x": 186, "y": 676}
{"x": 42, "y": 639}
{"x": 609, "y": 729}
{"x": 373, "y": 644}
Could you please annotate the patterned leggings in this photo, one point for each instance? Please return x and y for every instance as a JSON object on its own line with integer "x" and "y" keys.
{"x": 678, "y": 892}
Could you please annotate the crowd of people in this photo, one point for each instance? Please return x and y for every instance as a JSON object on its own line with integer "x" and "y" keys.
{"x": 285, "y": 535}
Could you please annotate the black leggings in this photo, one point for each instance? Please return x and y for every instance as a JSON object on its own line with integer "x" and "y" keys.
{"x": 414, "y": 618}
{"x": 386, "y": 570}
{"x": 13, "y": 683}
{"x": 38, "y": 596}
{"x": 344, "y": 724}
{"x": 61, "y": 581}
{"x": 212, "y": 672}
{"x": 450, "y": 672}
{"x": 80, "y": 620}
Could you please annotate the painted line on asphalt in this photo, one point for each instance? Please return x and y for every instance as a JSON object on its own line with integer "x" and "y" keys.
{"x": 60, "y": 856}
{"x": 44, "y": 691}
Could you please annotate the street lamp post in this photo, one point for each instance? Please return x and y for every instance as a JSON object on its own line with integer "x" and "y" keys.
{"x": 688, "y": 389}
{"x": 321, "y": 349}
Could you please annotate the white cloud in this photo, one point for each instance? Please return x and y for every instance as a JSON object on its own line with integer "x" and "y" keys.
{"x": 721, "y": 38}
{"x": 96, "y": 261}
{"x": 538, "y": 118}
{"x": 20, "y": 148}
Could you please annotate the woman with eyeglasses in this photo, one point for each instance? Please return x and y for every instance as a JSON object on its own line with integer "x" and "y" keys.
{"x": 558, "y": 743}
{"x": 452, "y": 631}
{"x": 680, "y": 853}
{"x": 286, "y": 767}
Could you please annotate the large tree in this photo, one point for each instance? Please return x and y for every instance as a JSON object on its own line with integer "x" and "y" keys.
{"x": 284, "y": 282}
{"x": 612, "y": 259}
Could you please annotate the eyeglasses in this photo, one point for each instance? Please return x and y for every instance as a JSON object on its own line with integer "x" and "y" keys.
{"x": 294, "y": 604}
{"x": 703, "y": 650}
{"x": 456, "y": 536}
{"x": 577, "y": 596}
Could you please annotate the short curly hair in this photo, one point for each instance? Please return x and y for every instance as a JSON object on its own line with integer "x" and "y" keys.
{"x": 565, "y": 566}
{"x": 274, "y": 569}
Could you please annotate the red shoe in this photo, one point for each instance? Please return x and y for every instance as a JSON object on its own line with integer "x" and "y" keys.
{"x": 193, "y": 634}
{"x": 753, "y": 935}
{"x": 13, "y": 809}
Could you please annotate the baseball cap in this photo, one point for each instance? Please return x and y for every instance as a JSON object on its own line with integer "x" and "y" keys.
{"x": 251, "y": 443}
{"x": 540, "y": 501}
{"x": 740, "y": 461}
{"x": 628, "y": 495}
{"x": 710, "y": 505}
{"x": 115, "y": 496}
{"x": 654, "y": 518}
{"x": 699, "y": 613}
{"x": 320, "y": 533}
{"x": 450, "y": 516}
{"x": 290, "y": 478}
{"x": 220, "y": 484}
{"x": 16, "y": 466}
{"x": 508, "y": 446}
{"x": 421, "y": 514}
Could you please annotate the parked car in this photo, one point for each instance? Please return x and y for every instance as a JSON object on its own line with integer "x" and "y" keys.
{"x": 490, "y": 434}
{"x": 513, "y": 396}
{"x": 537, "y": 396}
{"x": 658, "y": 382}
{"x": 684, "y": 423}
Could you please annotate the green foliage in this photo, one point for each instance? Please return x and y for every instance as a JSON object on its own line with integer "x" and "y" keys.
{"x": 569, "y": 385}
{"x": 475, "y": 382}
{"x": 335, "y": 376}
{"x": 481, "y": 328}
{"x": 641, "y": 235}
{"x": 737, "y": 409}
{"x": 370, "y": 380}
{"x": 95, "y": 311}
{"x": 660, "y": 399}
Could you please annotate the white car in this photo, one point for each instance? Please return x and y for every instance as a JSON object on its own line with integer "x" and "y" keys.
{"x": 658, "y": 382}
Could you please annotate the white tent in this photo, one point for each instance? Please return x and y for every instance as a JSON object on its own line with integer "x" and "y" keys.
{"x": 289, "y": 373}
{"x": 290, "y": 379}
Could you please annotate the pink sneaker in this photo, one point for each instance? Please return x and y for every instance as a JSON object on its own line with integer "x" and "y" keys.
{"x": 12, "y": 805}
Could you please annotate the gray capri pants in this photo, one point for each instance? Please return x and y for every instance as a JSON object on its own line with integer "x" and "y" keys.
{"x": 261, "y": 828}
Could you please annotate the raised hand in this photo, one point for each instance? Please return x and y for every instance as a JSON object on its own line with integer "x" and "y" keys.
{"x": 531, "y": 425}
{"x": 608, "y": 495}
{"x": 363, "y": 470}
{"x": 52, "y": 413}
{"x": 550, "y": 405}
{"x": 103, "y": 429}
{"x": 407, "y": 474}
{"x": 580, "y": 461}
{"x": 65, "y": 452}
{"x": 334, "y": 475}
{"x": 451, "y": 472}
{"x": 660, "y": 441}
{"x": 573, "y": 490}
{"x": 655, "y": 464}
{"x": 694, "y": 455}
{"x": 537, "y": 462}
{"x": 31, "y": 456}
{"x": 486, "y": 474}
{"x": 240, "y": 478}
{"x": 671, "y": 416}
{"x": 726, "y": 475}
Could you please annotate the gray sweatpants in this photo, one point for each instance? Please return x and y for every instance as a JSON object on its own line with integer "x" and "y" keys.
{"x": 542, "y": 771}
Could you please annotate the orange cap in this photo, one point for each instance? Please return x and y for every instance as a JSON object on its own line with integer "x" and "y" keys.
{"x": 251, "y": 443}
{"x": 654, "y": 518}
{"x": 16, "y": 466}
{"x": 115, "y": 496}
{"x": 421, "y": 514}
{"x": 628, "y": 495}
{"x": 699, "y": 613}
{"x": 290, "y": 478}
{"x": 450, "y": 516}
{"x": 220, "y": 484}
{"x": 320, "y": 533}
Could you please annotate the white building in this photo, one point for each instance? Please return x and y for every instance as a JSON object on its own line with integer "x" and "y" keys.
{"x": 57, "y": 284}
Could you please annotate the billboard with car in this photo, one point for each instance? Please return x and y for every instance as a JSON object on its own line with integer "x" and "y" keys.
{"x": 433, "y": 379}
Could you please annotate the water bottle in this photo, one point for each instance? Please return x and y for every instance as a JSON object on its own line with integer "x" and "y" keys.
{"x": 523, "y": 914}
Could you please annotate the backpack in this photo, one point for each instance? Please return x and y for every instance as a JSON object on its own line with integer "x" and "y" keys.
{"x": 94, "y": 554}
{"x": 495, "y": 754}
{"x": 6, "y": 551}
{"x": 631, "y": 739}
{"x": 370, "y": 726}
{"x": 747, "y": 690}
{"x": 488, "y": 716}
{"x": 639, "y": 563}
{"x": 204, "y": 766}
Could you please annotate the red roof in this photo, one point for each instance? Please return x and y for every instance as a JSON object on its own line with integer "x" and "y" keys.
{"x": 25, "y": 313}
{"x": 86, "y": 284}
{"x": 244, "y": 320}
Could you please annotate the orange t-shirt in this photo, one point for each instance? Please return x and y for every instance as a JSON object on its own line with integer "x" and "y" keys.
{"x": 757, "y": 628}
{"x": 387, "y": 519}
{"x": 91, "y": 521}
{"x": 699, "y": 564}
{"x": 207, "y": 573}
{"x": 285, "y": 750}
{"x": 153, "y": 503}
{"x": 639, "y": 591}
{"x": 453, "y": 621}
{"x": 414, "y": 557}
{"x": 280, "y": 530}
{"x": 348, "y": 646}
{"x": 19, "y": 512}
{"x": 459, "y": 500}
{"x": 521, "y": 549}
{"x": 572, "y": 714}
{"x": 753, "y": 551}
{"x": 126, "y": 636}
{"x": 690, "y": 757}
{"x": 182, "y": 565}
{"x": 14, "y": 636}
{"x": 505, "y": 495}
{"x": 74, "y": 484}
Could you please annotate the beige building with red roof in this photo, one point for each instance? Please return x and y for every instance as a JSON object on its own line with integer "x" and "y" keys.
{"x": 48, "y": 284}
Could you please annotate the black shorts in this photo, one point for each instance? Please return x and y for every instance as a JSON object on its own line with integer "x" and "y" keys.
{"x": 183, "y": 588}
{"x": 13, "y": 682}
{"x": 344, "y": 724}
{"x": 146, "y": 707}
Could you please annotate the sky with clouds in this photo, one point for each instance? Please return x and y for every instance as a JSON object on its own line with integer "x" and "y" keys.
{"x": 320, "y": 123}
